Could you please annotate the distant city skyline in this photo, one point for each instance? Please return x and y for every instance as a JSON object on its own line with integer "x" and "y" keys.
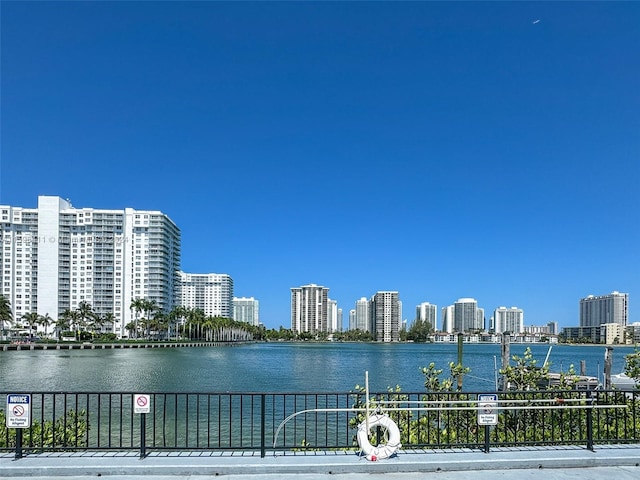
{"x": 443, "y": 150}
{"x": 100, "y": 239}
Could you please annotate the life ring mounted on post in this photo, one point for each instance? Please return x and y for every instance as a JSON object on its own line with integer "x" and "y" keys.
{"x": 382, "y": 450}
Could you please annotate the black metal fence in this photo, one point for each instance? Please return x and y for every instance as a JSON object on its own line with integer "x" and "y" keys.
{"x": 291, "y": 422}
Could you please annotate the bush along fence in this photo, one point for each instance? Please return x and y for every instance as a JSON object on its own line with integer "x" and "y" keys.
{"x": 40, "y": 422}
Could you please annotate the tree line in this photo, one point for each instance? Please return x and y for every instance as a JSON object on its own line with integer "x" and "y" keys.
{"x": 149, "y": 322}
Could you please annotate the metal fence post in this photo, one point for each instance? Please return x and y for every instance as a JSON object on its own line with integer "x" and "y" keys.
{"x": 263, "y": 450}
{"x": 18, "y": 443}
{"x": 590, "y": 423}
{"x": 143, "y": 435}
{"x": 486, "y": 438}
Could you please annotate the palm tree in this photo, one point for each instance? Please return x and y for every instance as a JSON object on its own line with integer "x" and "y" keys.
{"x": 137, "y": 305}
{"x": 97, "y": 323}
{"x": 131, "y": 327}
{"x": 65, "y": 321}
{"x": 195, "y": 319}
{"x": 221, "y": 329}
{"x": 6, "y": 315}
{"x": 160, "y": 324}
{"x": 209, "y": 325}
{"x": 177, "y": 317}
{"x": 85, "y": 315}
{"x": 45, "y": 320}
{"x": 108, "y": 319}
{"x": 150, "y": 307}
{"x": 31, "y": 319}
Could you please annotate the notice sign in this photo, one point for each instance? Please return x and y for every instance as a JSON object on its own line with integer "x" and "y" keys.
{"x": 487, "y": 409}
{"x": 141, "y": 403}
{"x": 18, "y": 410}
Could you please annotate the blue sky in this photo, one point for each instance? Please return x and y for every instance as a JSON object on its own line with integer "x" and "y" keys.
{"x": 444, "y": 150}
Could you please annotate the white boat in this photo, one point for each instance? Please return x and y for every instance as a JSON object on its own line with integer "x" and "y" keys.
{"x": 575, "y": 382}
{"x": 622, "y": 381}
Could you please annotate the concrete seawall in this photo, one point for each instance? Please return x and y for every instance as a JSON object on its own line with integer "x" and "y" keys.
{"x": 108, "y": 346}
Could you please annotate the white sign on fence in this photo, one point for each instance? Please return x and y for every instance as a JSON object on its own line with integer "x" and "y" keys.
{"x": 487, "y": 409}
{"x": 18, "y": 410}
{"x": 141, "y": 403}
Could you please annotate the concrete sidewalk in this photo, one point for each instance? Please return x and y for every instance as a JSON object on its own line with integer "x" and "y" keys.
{"x": 320, "y": 464}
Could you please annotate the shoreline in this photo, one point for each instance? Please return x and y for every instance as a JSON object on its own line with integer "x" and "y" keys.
{"x": 6, "y": 347}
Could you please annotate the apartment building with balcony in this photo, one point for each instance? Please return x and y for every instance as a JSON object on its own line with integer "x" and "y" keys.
{"x": 56, "y": 256}
{"x": 210, "y": 292}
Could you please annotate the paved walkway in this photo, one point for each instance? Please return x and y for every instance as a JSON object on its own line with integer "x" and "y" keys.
{"x": 621, "y": 462}
{"x": 593, "y": 473}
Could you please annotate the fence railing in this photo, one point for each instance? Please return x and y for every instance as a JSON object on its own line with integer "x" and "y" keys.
{"x": 290, "y": 422}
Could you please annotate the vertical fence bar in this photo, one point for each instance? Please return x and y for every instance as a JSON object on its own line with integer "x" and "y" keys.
{"x": 132, "y": 427}
{"x": 197, "y": 420}
{"x": 18, "y": 443}
{"x": 208, "y": 420}
{"x": 486, "y": 439}
{"x": 143, "y": 435}
{"x": 263, "y": 421}
{"x": 240, "y": 420}
{"x": 590, "y": 424}
{"x": 154, "y": 419}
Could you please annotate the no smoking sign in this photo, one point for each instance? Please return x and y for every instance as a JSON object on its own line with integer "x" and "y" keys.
{"x": 18, "y": 410}
{"x": 141, "y": 403}
{"x": 487, "y": 409}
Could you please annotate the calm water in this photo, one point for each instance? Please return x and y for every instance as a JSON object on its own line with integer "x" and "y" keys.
{"x": 272, "y": 367}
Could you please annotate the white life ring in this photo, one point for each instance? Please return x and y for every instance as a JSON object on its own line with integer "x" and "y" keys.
{"x": 383, "y": 450}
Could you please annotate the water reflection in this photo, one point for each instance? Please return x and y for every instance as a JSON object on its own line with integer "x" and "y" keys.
{"x": 273, "y": 367}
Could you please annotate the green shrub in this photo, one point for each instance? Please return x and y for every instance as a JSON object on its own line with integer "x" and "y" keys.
{"x": 66, "y": 431}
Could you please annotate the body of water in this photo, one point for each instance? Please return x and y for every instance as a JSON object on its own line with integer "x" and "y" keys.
{"x": 274, "y": 367}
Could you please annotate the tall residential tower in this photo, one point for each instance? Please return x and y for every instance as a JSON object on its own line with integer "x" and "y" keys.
{"x": 508, "y": 320}
{"x": 612, "y": 308}
{"x": 467, "y": 317}
{"x": 246, "y": 310}
{"x": 363, "y": 315}
{"x": 309, "y": 309}
{"x": 386, "y": 314}
{"x": 56, "y": 256}
{"x": 426, "y": 312}
{"x": 210, "y": 292}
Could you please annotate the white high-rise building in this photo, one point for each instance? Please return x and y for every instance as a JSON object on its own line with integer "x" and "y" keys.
{"x": 210, "y": 292}
{"x": 426, "y": 312}
{"x": 56, "y": 256}
{"x": 363, "y": 316}
{"x": 309, "y": 309}
{"x": 332, "y": 316}
{"x": 246, "y": 310}
{"x": 447, "y": 319}
{"x": 508, "y": 320}
{"x": 467, "y": 316}
{"x": 352, "y": 319}
{"x": 612, "y": 308}
{"x": 386, "y": 311}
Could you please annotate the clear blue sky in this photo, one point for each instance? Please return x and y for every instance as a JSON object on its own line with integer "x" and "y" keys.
{"x": 444, "y": 150}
